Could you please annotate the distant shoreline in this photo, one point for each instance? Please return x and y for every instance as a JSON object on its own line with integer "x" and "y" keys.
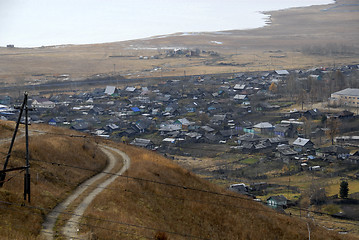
{"x": 262, "y": 19}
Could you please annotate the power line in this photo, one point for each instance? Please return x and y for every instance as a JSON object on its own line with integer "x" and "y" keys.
{"x": 184, "y": 187}
{"x": 12, "y": 177}
{"x": 191, "y": 200}
{"x": 101, "y": 219}
{"x": 157, "y": 182}
{"x": 122, "y": 223}
{"x": 168, "y": 184}
{"x": 71, "y": 221}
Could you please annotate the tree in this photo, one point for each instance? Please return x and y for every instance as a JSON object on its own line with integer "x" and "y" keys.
{"x": 273, "y": 88}
{"x": 333, "y": 125}
{"x": 301, "y": 97}
{"x": 306, "y": 128}
{"x": 339, "y": 80}
{"x": 317, "y": 193}
{"x": 124, "y": 139}
{"x": 203, "y": 117}
{"x": 323, "y": 119}
{"x": 344, "y": 189}
{"x": 291, "y": 86}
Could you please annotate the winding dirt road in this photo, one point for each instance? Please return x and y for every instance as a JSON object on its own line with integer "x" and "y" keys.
{"x": 71, "y": 227}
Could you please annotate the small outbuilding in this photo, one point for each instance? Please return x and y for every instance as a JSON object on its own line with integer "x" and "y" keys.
{"x": 141, "y": 142}
{"x": 276, "y": 201}
{"x": 303, "y": 145}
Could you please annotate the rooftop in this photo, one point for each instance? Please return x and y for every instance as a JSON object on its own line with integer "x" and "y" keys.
{"x": 348, "y": 92}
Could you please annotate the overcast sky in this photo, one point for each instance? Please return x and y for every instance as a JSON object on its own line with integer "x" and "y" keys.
{"x": 30, "y": 23}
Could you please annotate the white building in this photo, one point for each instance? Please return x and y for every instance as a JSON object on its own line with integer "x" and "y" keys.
{"x": 348, "y": 96}
{"x": 42, "y": 103}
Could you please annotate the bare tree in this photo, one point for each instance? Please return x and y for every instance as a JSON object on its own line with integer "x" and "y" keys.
{"x": 291, "y": 86}
{"x": 333, "y": 125}
{"x": 317, "y": 193}
{"x": 339, "y": 80}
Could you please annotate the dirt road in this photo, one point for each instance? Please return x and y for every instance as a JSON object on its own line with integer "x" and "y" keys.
{"x": 71, "y": 227}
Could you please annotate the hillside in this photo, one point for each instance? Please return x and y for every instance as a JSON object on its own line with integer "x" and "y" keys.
{"x": 155, "y": 196}
{"x": 135, "y": 208}
{"x": 50, "y": 183}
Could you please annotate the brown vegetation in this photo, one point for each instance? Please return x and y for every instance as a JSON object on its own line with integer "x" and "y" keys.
{"x": 50, "y": 183}
{"x": 6, "y": 129}
{"x": 131, "y": 208}
{"x": 323, "y": 38}
{"x": 136, "y": 209}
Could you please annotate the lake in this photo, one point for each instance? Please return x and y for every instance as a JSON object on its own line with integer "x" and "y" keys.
{"x": 35, "y": 23}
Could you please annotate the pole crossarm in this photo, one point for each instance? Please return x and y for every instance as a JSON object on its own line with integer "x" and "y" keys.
{"x": 13, "y": 169}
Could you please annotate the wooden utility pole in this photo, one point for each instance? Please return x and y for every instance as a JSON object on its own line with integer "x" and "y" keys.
{"x": 27, "y": 166}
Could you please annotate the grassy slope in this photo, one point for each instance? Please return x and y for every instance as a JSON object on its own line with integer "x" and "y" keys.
{"x": 202, "y": 214}
{"x": 6, "y": 130}
{"x": 50, "y": 184}
{"x": 133, "y": 201}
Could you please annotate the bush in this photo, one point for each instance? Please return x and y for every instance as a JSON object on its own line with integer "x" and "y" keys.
{"x": 161, "y": 236}
{"x": 331, "y": 209}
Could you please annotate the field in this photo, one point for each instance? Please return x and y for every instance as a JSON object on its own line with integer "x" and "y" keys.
{"x": 323, "y": 38}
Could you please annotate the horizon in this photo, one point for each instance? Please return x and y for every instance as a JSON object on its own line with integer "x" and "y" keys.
{"x": 31, "y": 23}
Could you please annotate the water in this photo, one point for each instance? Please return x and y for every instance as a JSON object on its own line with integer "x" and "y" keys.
{"x": 34, "y": 23}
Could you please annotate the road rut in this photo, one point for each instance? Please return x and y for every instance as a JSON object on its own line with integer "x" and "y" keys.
{"x": 71, "y": 227}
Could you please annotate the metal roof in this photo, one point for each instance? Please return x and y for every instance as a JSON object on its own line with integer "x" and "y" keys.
{"x": 301, "y": 141}
{"x": 348, "y": 92}
{"x": 263, "y": 125}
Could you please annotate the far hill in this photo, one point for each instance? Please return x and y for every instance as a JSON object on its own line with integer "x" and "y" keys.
{"x": 297, "y": 38}
{"x": 155, "y": 196}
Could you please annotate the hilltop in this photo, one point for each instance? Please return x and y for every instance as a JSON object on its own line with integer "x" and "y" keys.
{"x": 154, "y": 196}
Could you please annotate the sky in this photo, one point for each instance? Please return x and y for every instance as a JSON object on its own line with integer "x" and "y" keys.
{"x": 35, "y": 23}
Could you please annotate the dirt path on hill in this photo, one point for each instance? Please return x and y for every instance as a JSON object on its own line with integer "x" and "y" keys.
{"x": 71, "y": 227}
{"x": 8, "y": 139}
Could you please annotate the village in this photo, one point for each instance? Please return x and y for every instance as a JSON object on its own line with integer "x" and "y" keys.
{"x": 255, "y": 128}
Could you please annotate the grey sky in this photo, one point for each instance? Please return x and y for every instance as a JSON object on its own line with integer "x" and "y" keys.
{"x": 28, "y": 23}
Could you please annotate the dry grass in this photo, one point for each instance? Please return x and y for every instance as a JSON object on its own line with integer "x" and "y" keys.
{"x": 177, "y": 210}
{"x": 335, "y": 186}
{"x": 6, "y": 129}
{"x": 50, "y": 184}
{"x": 277, "y": 46}
{"x": 162, "y": 207}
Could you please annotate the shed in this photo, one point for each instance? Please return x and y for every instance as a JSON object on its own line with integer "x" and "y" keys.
{"x": 263, "y": 128}
{"x": 282, "y": 72}
{"x": 141, "y": 142}
{"x": 276, "y": 201}
{"x": 240, "y": 97}
{"x": 110, "y": 90}
{"x": 239, "y": 188}
{"x": 303, "y": 144}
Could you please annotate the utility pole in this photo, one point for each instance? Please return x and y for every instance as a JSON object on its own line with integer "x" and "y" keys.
{"x": 26, "y": 168}
{"x": 27, "y": 171}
